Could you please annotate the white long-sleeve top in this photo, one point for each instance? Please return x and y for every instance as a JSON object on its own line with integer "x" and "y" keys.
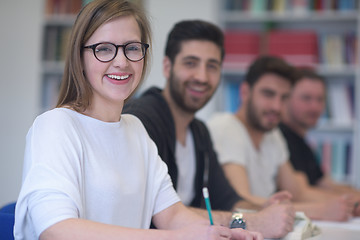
{"x": 76, "y": 166}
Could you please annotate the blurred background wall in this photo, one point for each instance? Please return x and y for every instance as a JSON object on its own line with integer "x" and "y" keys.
{"x": 20, "y": 40}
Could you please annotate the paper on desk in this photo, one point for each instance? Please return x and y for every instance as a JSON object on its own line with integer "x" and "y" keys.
{"x": 303, "y": 228}
{"x": 352, "y": 224}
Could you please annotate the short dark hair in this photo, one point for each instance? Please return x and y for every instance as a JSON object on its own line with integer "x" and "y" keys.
{"x": 193, "y": 30}
{"x": 307, "y": 72}
{"x": 270, "y": 64}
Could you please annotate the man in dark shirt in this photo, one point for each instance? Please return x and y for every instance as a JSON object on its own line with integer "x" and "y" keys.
{"x": 192, "y": 67}
{"x": 304, "y": 108}
{"x": 302, "y": 157}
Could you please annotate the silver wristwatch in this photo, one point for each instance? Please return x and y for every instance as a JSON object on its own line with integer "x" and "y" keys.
{"x": 237, "y": 221}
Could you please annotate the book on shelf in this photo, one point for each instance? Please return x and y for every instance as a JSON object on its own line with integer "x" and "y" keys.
{"x": 351, "y": 48}
{"x": 338, "y": 155}
{"x": 295, "y": 6}
{"x": 279, "y": 6}
{"x": 56, "y": 38}
{"x": 231, "y": 5}
{"x": 338, "y": 49}
{"x": 257, "y": 6}
{"x": 86, "y": 2}
{"x": 340, "y": 102}
{"x": 62, "y": 7}
{"x": 242, "y": 47}
{"x": 51, "y": 86}
{"x": 232, "y": 96}
{"x": 50, "y": 43}
{"x": 345, "y": 5}
{"x": 300, "y": 6}
{"x": 325, "y": 160}
{"x": 349, "y": 170}
{"x": 334, "y": 157}
{"x": 298, "y": 47}
{"x": 62, "y": 45}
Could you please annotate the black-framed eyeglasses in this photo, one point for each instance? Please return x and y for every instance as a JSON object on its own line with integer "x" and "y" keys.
{"x": 106, "y": 51}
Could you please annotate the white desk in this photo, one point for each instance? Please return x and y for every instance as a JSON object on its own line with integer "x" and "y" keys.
{"x": 338, "y": 231}
{"x": 334, "y": 230}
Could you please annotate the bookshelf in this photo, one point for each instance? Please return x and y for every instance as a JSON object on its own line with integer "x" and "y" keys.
{"x": 59, "y": 16}
{"x": 320, "y": 34}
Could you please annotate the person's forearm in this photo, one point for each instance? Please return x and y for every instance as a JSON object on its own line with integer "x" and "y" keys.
{"x": 178, "y": 216}
{"x": 246, "y": 205}
{"x": 343, "y": 189}
{"x": 313, "y": 211}
{"x": 219, "y": 217}
{"x": 312, "y": 194}
{"x": 254, "y": 200}
{"x": 224, "y": 217}
{"x": 83, "y": 229}
{"x": 249, "y": 200}
{"x": 174, "y": 218}
{"x": 329, "y": 185}
{"x": 321, "y": 211}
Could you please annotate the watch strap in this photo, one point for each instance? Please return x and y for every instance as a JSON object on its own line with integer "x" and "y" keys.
{"x": 237, "y": 221}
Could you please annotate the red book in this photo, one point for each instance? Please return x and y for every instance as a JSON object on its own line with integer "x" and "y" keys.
{"x": 49, "y": 7}
{"x": 297, "y": 47}
{"x": 318, "y": 5}
{"x": 326, "y": 158}
{"x": 75, "y": 6}
{"x": 241, "y": 48}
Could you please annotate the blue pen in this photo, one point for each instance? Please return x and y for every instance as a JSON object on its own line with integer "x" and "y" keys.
{"x": 207, "y": 203}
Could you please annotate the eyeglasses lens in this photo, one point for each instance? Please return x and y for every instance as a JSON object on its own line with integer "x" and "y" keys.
{"x": 133, "y": 51}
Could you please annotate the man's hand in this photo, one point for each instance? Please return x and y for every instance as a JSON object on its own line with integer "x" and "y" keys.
{"x": 203, "y": 231}
{"x": 355, "y": 198}
{"x": 338, "y": 209}
{"x": 279, "y": 197}
{"x": 274, "y": 221}
{"x": 241, "y": 234}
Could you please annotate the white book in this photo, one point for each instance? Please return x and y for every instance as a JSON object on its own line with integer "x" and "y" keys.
{"x": 339, "y": 104}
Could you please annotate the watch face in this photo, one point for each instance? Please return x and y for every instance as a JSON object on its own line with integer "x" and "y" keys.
{"x": 238, "y": 223}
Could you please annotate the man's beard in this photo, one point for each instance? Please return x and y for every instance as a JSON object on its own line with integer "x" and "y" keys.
{"x": 179, "y": 98}
{"x": 305, "y": 124}
{"x": 254, "y": 118}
